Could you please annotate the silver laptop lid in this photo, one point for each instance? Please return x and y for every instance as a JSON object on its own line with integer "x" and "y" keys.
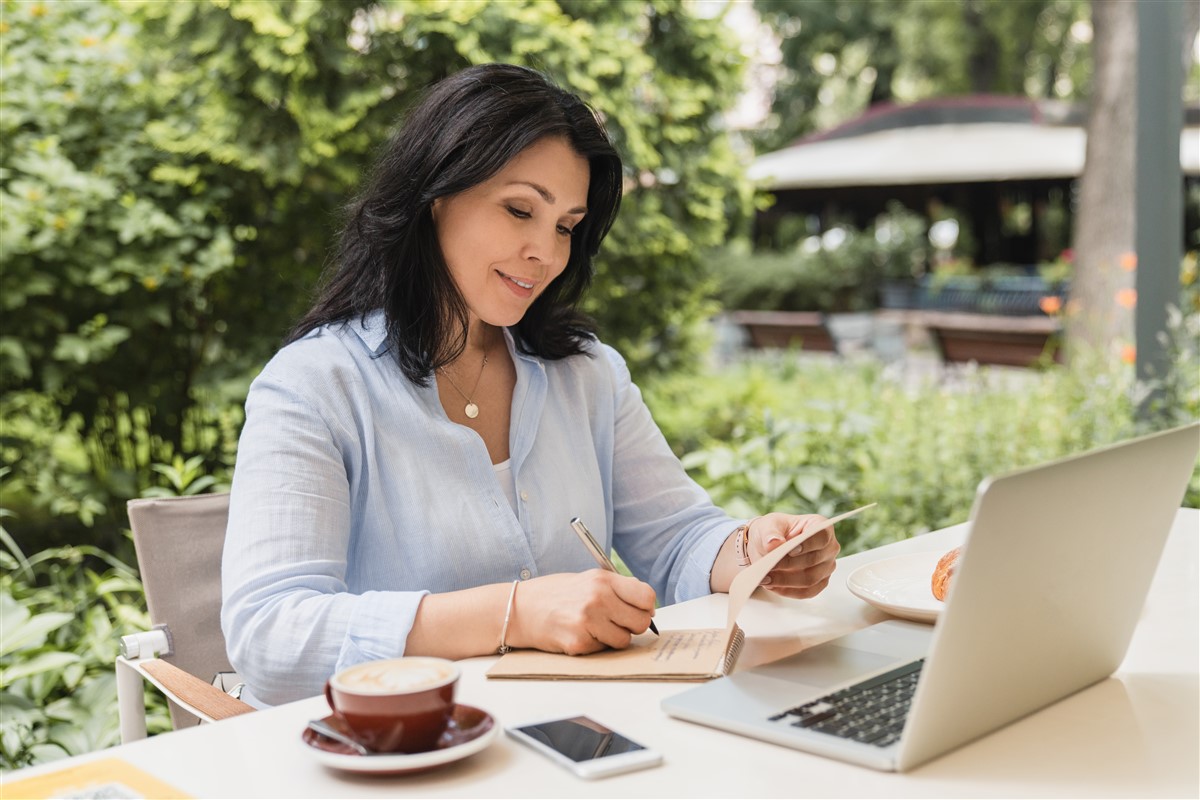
{"x": 1049, "y": 587}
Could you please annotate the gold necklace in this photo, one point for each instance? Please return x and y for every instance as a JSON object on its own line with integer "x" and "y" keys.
{"x": 470, "y": 409}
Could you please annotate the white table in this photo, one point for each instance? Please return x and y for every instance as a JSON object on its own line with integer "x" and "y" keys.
{"x": 1136, "y": 734}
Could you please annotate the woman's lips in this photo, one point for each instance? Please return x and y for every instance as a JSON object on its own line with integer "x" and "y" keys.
{"x": 522, "y": 287}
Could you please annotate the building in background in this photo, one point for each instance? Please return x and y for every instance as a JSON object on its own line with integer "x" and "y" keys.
{"x": 1003, "y": 168}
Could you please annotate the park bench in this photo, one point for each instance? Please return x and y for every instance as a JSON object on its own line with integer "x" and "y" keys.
{"x": 806, "y": 330}
{"x": 1016, "y": 341}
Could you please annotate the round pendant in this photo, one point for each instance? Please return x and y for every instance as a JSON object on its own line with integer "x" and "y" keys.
{"x": 471, "y": 410}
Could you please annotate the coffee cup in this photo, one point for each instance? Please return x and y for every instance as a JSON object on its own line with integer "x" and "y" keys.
{"x": 395, "y": 705}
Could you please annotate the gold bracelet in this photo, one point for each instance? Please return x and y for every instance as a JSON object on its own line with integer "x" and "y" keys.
{"x": 512, "y": 595}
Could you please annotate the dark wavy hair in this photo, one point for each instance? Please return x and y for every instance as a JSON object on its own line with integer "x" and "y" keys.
{"x": 463, "y": 131}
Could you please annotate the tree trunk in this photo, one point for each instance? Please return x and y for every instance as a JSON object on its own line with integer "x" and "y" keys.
{"x": 1100, "y": 311}
{"x": 885, "y": 59}
{"x": 983, "y": 65}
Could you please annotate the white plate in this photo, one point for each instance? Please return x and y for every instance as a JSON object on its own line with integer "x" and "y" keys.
{"x": 901, "y": 585}
{"x": 471, "y": 730}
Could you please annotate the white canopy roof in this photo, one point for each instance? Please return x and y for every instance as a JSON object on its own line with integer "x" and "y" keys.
{"x": 945, "y": 153}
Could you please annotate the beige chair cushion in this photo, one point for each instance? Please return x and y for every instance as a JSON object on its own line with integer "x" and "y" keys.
{"x": 179, "y": 541}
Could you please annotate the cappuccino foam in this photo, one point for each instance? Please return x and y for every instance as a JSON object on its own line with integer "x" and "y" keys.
{"x": 396, "y": 676}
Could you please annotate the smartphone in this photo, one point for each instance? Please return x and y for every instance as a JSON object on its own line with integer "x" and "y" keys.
{"x": 584, "y": 746}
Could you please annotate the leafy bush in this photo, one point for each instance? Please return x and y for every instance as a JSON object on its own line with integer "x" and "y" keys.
{"x": 62, "y": 613}
{"x": 840, "y": 270}
{"x": 172, "y": 174}
{"x": 798, "y": 280}
{"x": 819, "y": 436}
{"x": 61, "y": 475}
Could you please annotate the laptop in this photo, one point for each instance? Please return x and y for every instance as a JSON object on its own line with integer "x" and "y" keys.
{"x": 1051, "y": 581}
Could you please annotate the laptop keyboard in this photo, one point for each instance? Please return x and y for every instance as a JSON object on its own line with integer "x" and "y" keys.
{"x": 871, "y": 712}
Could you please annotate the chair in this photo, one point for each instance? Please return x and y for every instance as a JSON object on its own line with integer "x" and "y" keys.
{"x": 179, "y": 541}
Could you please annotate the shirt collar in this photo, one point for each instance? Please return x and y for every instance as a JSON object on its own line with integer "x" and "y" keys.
{"x": 372, "y": 330}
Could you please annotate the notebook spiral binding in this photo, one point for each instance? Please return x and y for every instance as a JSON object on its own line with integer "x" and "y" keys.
{"x": 735, "y": 649}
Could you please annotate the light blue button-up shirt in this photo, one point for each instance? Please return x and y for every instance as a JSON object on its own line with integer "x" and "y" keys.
{"x": 355, "y": 495}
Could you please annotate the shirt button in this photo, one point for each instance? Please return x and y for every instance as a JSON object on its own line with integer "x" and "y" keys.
{"x": 525, "y": 574}
{"x": 524, "y": 495}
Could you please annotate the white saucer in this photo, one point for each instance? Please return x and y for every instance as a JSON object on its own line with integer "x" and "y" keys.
{"x": 900, "y": 586}
{"x": 470, "y": 731}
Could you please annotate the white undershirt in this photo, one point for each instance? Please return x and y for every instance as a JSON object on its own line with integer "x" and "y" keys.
{"x": 507, "y": 482}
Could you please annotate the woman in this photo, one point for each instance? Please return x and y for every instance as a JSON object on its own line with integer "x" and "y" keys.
{"x": 413, "y": 456}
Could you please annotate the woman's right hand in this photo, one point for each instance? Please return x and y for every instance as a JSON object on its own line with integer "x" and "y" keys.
{"x": 580, "y": 612}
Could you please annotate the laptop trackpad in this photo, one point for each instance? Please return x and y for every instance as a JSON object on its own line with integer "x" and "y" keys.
{"x": 851, "y": 656}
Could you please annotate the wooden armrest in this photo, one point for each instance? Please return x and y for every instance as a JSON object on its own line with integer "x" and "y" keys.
{"x": 191, "y": 691}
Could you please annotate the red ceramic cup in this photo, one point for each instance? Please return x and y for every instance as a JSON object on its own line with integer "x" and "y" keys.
{"x": 396, "y": 705}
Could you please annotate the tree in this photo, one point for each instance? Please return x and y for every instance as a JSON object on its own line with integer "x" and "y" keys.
{"x": 1100, "y": 311}
{"x": 173, "y": 172}
{"x": 840, "y": 57}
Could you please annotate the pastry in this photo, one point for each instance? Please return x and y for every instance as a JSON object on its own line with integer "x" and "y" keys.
{"x": 943, "y": 572}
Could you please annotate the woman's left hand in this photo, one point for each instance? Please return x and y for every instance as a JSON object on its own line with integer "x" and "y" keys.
{"x": 806, "y": 570}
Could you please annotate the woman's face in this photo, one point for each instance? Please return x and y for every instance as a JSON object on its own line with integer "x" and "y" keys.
{"x": 506, "y": 239}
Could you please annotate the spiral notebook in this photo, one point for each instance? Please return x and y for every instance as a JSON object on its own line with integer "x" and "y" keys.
{"x": 698, "y": 654}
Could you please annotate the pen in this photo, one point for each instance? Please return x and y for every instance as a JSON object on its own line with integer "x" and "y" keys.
{"x": 601, "y": 557}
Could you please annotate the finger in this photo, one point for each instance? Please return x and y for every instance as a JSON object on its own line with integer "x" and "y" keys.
{"x": 804, "y": 557}
{"x": 816, "y": 527}
{"x": 821, "y": 542}
{"x": 806, "y": 576}
{"x": 629, "y": 618}
{"x": 798, "y": 572}
{"x": 622, "y": 601}
{"x": 780, "y": 529}
{"x": 634, "y": 593}
{"x": 610, "y": 634}
{"x": 579, "y": 643}
{"x": 634, "y": 618}
{"x": 772, "y": 536}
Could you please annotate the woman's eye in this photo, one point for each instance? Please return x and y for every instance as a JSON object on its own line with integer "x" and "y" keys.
{"x": 565, "y": 231}
{"x": 518, "y": 213}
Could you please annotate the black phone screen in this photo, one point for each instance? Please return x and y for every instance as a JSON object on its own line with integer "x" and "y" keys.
{"x": 580, "y": 738}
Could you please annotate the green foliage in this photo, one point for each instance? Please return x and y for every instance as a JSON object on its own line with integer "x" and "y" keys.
{"x": 840, "y": 57}
{"x": 840, "y": 270}
{"x": 185, "y": 478}
{"x": 325, "y": 83}
{"x": 805, "y": 279}
{"x": 1173, "y": 398}
{"x": 103, "y": 257}
{"x": 823, "y": 436}
{"x": 60, "y": 476}
{"x": 112, "y": 262}
{"x": 172, "y": 176}
{"x": 62, "y": 613}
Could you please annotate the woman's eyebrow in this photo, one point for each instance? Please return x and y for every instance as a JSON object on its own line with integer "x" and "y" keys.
{"x": 547, "y": 195}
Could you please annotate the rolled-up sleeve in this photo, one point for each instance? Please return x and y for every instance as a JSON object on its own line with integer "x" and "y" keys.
{"x": 665, "y": 525}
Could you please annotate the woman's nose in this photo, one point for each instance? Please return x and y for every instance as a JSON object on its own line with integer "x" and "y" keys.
{"x": 541, "y": 245}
